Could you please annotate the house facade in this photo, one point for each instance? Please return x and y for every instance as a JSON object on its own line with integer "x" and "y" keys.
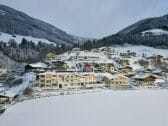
{"x": 65, "y": 80}
{"x": 6, "y": 97}
{"x": 145, "y": 80}
{"x": 126, "y": 70}
{"x": 117, "y": 80}
{"x": 88, "y": 78}
{"x": 108, "y": 68}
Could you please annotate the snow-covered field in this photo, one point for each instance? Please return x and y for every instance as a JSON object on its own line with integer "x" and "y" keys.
{"x": 106, "y": 108}
{"x": 140, "y": 49}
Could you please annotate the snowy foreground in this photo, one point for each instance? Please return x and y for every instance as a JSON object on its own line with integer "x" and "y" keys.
{"x": 106, "y": 108}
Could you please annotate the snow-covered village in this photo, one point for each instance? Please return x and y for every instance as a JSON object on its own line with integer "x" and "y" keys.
{"x": 83, "y": 63}
{"x": 78, "y": 71}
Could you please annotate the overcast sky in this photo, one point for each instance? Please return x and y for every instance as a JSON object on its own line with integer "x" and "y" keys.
{"x": 90, "y": 18}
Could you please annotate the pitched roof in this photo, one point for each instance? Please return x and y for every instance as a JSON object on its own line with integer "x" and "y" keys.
{"x": 38, "y": 65}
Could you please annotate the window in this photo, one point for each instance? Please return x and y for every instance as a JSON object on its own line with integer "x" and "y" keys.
{"x": 42, "y": 76}
{"x": 48, "y": 81}
{"x": 55, "y": 85}
{"x": 42, "y": 81}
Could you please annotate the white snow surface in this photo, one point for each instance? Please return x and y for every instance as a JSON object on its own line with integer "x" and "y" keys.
{"x": 28, "y": 80}
{"x": 6, "y": 37}
{"x": 140, "y": 50}
{"x": 39, "y": 65}
{"x": 105, "y": 108}
{"x": 156, "y": 32}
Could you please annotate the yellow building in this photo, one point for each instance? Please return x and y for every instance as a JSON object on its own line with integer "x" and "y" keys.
{"x": 126, "y": 70}
{"x": 65, "y": 80}
{"x": 50, "y": 56}
{"x": 68, "y": 80}
{"x": 117, "y": 80}
{"x": 108, "y": 69}
{"x": 88, "y": 78}
{"x": 48, "y": 79}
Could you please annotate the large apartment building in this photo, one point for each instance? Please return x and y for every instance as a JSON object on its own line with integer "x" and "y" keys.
{"x": 65, "y": 80}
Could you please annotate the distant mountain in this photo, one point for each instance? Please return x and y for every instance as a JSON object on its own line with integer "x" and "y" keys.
{"x": 151, "y": 32}
{"x": 16, "y": 22}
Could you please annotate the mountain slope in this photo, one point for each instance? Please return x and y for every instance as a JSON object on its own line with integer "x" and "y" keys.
{"x": 151, "y": 32}
{"x": 16, "y": 22}
{"x": 147, "y": 24}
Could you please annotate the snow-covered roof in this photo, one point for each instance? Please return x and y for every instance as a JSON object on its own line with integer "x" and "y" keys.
{"x": 89, "y": 54}
{"x": 48, "y": 72}
{"x": 38, "y": 65}
{"x": 142, "y": 76}
{"x": 9, "y": 94}
{"x": 108, "y": 75}
{"x": 160, "y": 81}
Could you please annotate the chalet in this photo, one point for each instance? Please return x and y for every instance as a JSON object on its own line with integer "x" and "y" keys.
{"x": 76, "y": 49}
{"x": 127, "y": 54}
{"x": 117, "y": 80}
{"x": 145, "y": 80}
{"x": 122, "y": 62}
{"x": 126, "y": 70}
{"x": 108, "y": 68}
{"x": 158, "y": 58}
{"x": 87, "y": 56}
{"x": 59, "y": 66}
{"x": 37, "y": 67}
{"x": 6, "y": 97}
{"x": 113, "y": 55}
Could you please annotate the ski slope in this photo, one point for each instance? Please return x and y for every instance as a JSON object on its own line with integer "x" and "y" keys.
{"x": 105, "y": 108}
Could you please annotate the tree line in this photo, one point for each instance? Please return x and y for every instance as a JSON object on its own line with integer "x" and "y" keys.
{"x": 28, "y": 51}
